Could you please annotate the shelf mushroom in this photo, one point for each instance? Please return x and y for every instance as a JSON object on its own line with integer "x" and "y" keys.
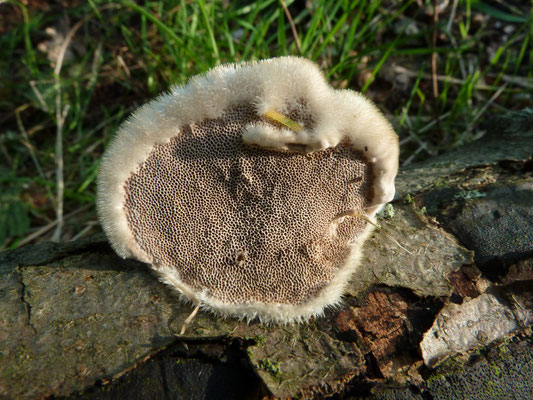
{"x": 250, "y": 189}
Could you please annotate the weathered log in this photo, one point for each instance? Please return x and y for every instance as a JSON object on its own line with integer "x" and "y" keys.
{"x": 76, "y": 320}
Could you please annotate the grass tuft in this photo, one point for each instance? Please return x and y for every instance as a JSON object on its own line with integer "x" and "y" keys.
{"x": 125, "y": 52}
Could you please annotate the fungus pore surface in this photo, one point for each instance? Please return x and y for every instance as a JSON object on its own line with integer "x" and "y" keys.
{"x": 247, "y": 228}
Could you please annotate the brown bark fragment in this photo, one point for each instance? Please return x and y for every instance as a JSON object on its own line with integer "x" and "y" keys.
{"x": 462, "y": 285}
{"x": 381, "y": 322}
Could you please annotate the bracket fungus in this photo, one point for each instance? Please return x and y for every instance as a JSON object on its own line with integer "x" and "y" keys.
{"x": 251, "y": 188}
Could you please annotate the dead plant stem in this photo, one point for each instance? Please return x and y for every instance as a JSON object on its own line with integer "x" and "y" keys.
{"x": 61, "y": 115}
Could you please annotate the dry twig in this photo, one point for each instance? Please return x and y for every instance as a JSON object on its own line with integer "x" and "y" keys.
{"x": 293, "y": 27}
{"x": 189, "y": 319}
{"x": 61, "y": 115}
{"x": 434, "y": 53}
{"x": 42, "y": 230}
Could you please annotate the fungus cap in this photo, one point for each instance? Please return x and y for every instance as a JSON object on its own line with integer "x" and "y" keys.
{"x": 249, "y": 189}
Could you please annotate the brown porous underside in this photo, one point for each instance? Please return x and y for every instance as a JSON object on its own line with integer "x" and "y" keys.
{"x": 247, "y": 224}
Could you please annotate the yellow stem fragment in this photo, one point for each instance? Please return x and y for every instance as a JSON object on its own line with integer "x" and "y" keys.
{"x": 283, "y": 120}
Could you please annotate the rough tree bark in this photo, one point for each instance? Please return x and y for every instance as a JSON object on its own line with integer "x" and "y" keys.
{"x": 446, "y": 315}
